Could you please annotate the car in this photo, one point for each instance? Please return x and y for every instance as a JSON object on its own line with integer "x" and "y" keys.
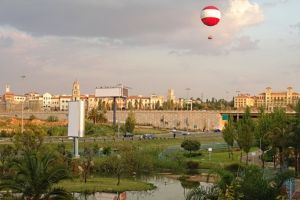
{"x": 216, "y": 130}
{"x": 148, "y": 136}
{"x": 185, "y": 133}
{"x": 128, "y": 135}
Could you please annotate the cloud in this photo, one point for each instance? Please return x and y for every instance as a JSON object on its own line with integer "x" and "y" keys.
{"x": 296, "y": 27}
{"x": 245, "y": 43}
{"x": 272, "y": 3}
{"x": 243, "y": 13}
{"x": 173, "y": 24}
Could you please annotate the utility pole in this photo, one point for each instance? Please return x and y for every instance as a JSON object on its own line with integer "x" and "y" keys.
{"x": 22, "y": 107}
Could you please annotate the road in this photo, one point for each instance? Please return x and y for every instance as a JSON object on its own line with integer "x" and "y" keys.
{"x": 58, "y": 139}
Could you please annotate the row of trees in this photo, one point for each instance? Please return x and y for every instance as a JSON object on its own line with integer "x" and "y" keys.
{"x": 198, "y": 104}
{"x": 275, "y": 133}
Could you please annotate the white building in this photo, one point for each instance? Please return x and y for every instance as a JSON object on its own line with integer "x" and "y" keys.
{"x": 47, "y": 101}
{"x": 19, "y": 98}
{"x": 156, "y": 100}
{"x": 55, "y": 103}
{"x": 64, "y": 102}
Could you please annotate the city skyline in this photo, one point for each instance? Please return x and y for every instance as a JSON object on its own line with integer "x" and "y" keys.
{"x": 150, "y": 46}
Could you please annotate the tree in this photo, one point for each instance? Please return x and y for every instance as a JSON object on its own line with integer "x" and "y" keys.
{"x": 31, "y": 139}
{"x": 296, "y": 138}
{"x": 87, "y": 163}
{"x": 7, "y": 154}
{"x": 115, "y": 165}
{"x": 262, "y": 129}
{"x": 157, "y": 105}
{"x": 35, "y": 177}
{"x": 190, "y": 145}
{"x": 130, "y": 106}
{"x": 281, "y": 135}
{"x": 245, "y": 130}
{"x": 228, "y": 135}
{"x": 97, "y": 115}
{"x": 130, "y": 122}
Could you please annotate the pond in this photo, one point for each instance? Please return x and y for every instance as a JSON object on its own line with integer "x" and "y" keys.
{"x": 167, "y": 189}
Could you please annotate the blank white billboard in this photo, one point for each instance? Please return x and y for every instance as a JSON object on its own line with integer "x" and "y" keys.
{"x": 76, "y": 119}
{"x": 111, "y": 92}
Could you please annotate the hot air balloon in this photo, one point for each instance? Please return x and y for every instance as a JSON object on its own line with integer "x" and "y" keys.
{"x": 210, "y": 16}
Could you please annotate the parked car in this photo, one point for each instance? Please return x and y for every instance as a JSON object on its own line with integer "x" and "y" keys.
{"x": 185, "y": 133}
{"x": 128, "y": 135}
{"x": 216, "y": 130}
{"x": 148, "y": 136}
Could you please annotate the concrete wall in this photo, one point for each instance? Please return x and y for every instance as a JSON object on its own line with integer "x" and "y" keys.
{"x": 192, "y": 120}
{"x": 38, "y": 115}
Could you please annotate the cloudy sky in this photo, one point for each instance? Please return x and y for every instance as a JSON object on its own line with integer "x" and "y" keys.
{"x": 150, "y": 46}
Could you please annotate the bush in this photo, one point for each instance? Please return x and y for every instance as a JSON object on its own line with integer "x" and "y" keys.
{"x": 192, "y": 165}
{"x": 107, "y": 151}
{"x": 191, "y": 145}
{"x": 57, "y": 131}
{"x": 52, "y": 119}
{"x": 32, "y": 117}
{"x": 234, "y": 167}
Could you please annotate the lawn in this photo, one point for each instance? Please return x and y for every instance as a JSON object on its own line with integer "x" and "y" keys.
{"x": 99, "y": 184}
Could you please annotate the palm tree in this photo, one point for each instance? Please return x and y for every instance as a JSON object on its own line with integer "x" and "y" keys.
{"x": 35, "y": 176}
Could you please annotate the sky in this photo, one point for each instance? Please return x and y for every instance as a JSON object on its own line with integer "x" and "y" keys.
{"x": 149, "y": 46}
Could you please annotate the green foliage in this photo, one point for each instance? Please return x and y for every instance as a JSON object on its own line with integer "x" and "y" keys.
{"x": 92, "y": 129}
{"x": 107, "y": 151}
{"x": 192, "y": 166}
{"x": 57, "y": 131}
{"x": 245, "y": 132}
{"x": 130, "y": 122}
{"x": 36, "y": 175}
{"x": 52, "y": 118}
{"x": 229, "y": 133}
{"x": 190, "y": 145}
{"x": 234, "y": 167}
{"x": 249, "y": 184}
{"x": 7, "y": 155}
{"x": 31, "y": 139}
{"x": 97, "y": 115}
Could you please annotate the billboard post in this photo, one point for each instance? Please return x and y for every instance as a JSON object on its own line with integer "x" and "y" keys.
{"x": 76, "y": 123}
{"x": 112, "y": 92}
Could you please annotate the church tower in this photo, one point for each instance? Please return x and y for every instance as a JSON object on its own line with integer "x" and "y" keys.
{"x": 76, "y": 91}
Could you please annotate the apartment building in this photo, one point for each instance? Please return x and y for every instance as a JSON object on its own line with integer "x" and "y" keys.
{"x": 269, "y": 99}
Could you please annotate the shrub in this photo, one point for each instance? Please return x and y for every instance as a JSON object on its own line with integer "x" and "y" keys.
{"x": 32, "y": 117}
{"x": 192, "y": 164}
{"x": 107, "y": 151}
{"x": 191, "y": 145}
{"x": 234, "y": 167}
{"x": 52, "y": 119}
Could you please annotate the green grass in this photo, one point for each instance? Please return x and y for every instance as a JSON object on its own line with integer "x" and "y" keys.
{"x": 104, "y": 185}
{"x": 219, "y": 158}
{"x": 144, "y": 130}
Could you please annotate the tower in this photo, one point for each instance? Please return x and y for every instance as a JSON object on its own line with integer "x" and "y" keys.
{"x": 7, "y": 89}
{"x": 76, "y": 91}
{"x": 171, "y": 96}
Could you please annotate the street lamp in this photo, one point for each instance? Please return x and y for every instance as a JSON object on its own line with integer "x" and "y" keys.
{"x": 187, "y": 99}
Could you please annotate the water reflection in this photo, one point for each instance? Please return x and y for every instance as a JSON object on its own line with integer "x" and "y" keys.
{"x": 167, "y": 189}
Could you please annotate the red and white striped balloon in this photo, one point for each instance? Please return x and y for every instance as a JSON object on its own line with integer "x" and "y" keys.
{"x": 210, "y": 15}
